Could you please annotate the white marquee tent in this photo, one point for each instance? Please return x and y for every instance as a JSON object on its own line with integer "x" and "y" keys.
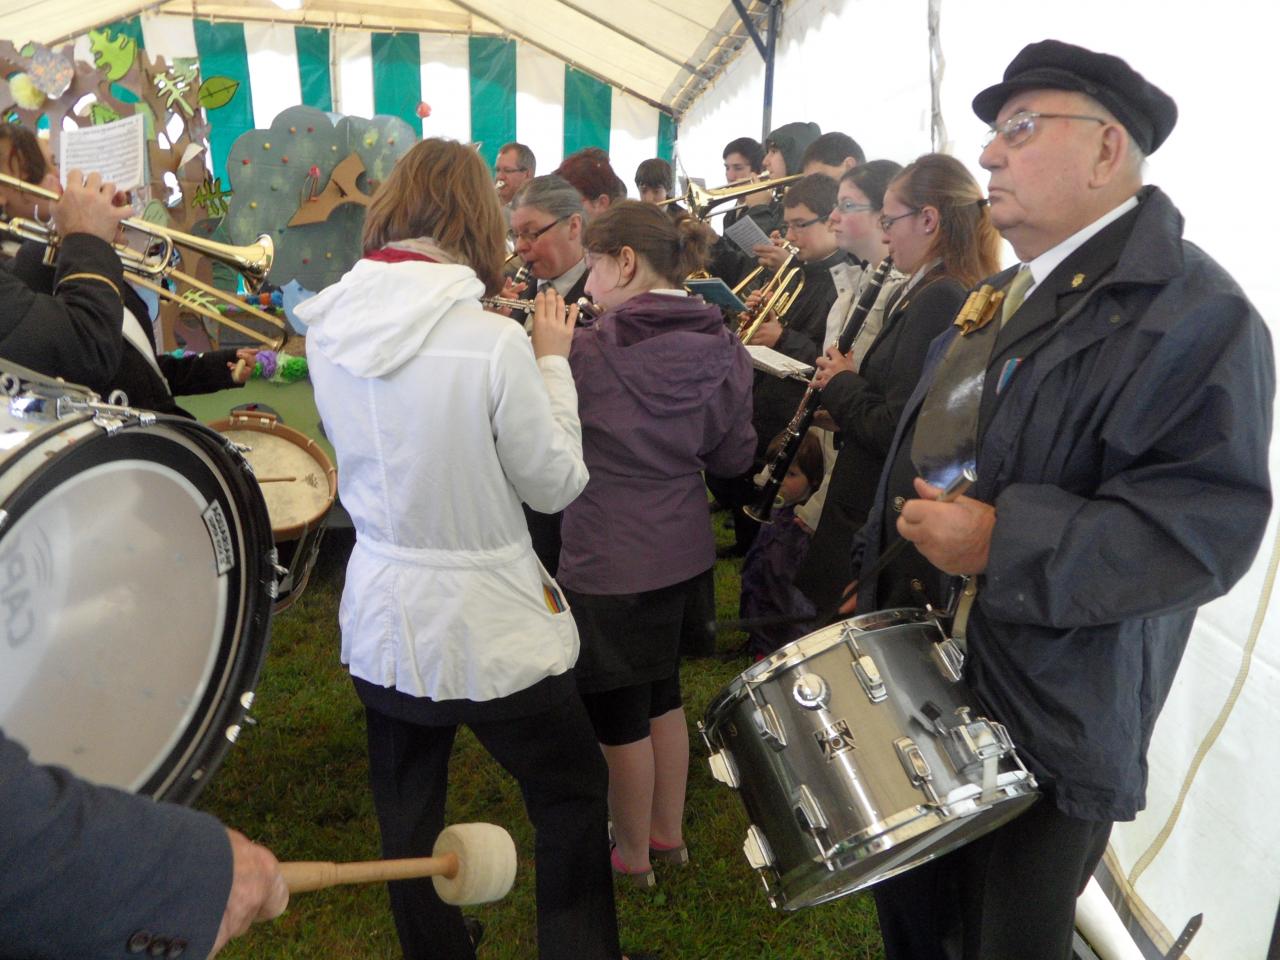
{"x": 876, "y": 69}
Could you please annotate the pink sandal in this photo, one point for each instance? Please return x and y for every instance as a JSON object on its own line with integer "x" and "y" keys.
{"x": 639, "y": 878}
{"x": 677, "y": 854}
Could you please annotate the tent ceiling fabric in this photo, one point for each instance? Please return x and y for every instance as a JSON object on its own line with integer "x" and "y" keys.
{"x": 663, "y": 51}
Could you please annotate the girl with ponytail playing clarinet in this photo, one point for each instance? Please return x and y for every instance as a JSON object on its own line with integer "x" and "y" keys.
{"x": 935, "y": 222}
{"x": 664, "y": 393}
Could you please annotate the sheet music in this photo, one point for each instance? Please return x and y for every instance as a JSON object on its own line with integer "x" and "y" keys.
{"x": 746, "y": 233}
{"x": 778, "y": 364}
{"x": 116, "y": 150}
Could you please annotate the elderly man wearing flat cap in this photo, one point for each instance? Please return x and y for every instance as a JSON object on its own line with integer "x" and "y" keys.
{"x": 1114, "y": 398}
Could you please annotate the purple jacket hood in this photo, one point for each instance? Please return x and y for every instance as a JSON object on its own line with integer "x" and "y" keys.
{"x": 668, "y": 352}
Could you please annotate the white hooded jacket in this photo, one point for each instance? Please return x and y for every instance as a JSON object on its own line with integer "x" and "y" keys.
{"x": 443, "y": 422}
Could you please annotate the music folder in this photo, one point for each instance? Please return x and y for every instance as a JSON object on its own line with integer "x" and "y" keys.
{"x": 714, "y": 290}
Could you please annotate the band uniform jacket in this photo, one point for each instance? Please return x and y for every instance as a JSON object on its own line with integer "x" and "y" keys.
{"x": 150, "y": 383}
{"x": 75, "y": 334}
{"x": 866, "y": 407}
{"x": 1123, "y": 439}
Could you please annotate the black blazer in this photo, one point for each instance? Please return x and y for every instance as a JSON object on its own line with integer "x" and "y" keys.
{"x": 866, "y": 406}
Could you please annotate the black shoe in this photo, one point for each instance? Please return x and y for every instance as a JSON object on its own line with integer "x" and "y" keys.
{"x": 475, "y": 930}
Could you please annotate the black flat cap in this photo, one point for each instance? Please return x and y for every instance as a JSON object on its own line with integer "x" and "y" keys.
{"x": 1146, "y": 111}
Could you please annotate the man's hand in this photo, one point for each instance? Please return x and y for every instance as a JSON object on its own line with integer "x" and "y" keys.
{"x": 829, "y": 364}
{"x": 850, "y": 595}
{"x": 767, "y": 334}
{"x": 552, "y": 324}
{"x": 955, "y": 537}
{"x": 258, "y": 891}
{"x": 89, "y": 206}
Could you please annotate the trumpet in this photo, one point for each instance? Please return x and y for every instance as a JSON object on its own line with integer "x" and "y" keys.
{"x": 700, "y": 200}
{"x": 776, "y": 296}
{"x": 146, "y": 267}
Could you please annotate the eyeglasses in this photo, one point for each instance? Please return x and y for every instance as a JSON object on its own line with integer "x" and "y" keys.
{"x": 848, "y": 206}
{"x": 794, "y": 225}
{"x": 1022, "y": 126}
{"x": 887, "y": 222}
{"x": 507, "y": 171}
{"x": 531, "y": 236}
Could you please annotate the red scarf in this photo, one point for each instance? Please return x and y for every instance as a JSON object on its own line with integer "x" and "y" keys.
{"x": 396, "y": 255}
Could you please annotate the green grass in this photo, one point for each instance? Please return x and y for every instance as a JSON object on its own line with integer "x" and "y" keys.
{"x": 297, "y": 782}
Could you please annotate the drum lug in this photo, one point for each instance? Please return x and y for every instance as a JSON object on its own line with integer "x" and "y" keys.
{"x": 807, "y": 810}
{"x": 756, "y": 847}
{"x": 916, "y": 767}
{"x": 949, "y": 659}
{"x": 724, "y": 769}
{"x": 869, "y": 677}
{"x": 769, "y": 726}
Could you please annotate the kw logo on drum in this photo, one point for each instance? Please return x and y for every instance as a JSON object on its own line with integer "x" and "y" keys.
{"x": 834, "y": 739}
{"x": 21, "y": 575}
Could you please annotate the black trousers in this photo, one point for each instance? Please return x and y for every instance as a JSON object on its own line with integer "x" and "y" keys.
{"x": 562, "y": 775}
{"x": 1009, "y": 895}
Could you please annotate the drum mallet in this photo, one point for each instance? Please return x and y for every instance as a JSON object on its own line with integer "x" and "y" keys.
{"x": 470, "y": 863}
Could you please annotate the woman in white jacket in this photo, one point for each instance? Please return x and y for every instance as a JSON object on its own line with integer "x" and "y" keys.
{"x": 444, "y": 420}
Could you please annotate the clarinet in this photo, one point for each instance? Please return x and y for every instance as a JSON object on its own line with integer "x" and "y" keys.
{"x": 776, "y": 469}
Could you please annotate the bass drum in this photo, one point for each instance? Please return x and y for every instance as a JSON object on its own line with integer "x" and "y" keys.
{"x": 136, "y": 579}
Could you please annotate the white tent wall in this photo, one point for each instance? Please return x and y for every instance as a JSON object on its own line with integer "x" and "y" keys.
{"x": 863, "y": 67}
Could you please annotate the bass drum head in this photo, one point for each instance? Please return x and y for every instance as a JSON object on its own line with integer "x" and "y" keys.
{"x": 135, "y": 575}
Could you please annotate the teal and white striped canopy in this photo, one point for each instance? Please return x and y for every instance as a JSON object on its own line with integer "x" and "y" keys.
{"x": 479, "y": 88}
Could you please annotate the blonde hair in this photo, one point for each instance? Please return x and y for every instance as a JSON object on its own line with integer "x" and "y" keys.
{"x": 442, "y": 189}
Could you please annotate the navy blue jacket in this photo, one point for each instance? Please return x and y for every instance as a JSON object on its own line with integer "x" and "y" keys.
{"x": 95, "y": 873}
{"x": 1125, "y": 451}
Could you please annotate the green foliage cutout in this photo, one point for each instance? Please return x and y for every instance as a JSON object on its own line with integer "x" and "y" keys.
{"x": 102, "y": 113}
{"x": 114, "y": 54}
{"x": 217, "y": 92}
{"x": 212, "y": 197}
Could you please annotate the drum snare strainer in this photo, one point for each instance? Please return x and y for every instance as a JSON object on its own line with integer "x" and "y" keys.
{"x": 857, "y": 755}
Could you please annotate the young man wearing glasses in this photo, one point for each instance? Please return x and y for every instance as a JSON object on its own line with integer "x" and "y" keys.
{"x": 1119, "y": 431}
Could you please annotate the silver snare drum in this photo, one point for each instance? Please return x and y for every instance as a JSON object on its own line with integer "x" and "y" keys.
{"x": 135, "y": 577}
{"x": 857, "y": 754}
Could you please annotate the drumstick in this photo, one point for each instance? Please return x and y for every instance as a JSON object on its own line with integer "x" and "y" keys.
{"x": 276, "y": 479}
{"x": 239, "y": 369}
{"x": 470, "y": 863}
{"x": 302, "y": 876}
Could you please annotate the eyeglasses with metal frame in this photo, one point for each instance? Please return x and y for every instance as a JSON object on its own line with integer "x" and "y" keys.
{"x": 1022, "y": 126}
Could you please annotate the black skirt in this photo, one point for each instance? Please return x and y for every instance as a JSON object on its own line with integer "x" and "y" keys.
{"x": 632, "y": 638}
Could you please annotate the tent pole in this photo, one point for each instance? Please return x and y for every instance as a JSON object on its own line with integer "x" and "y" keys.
{"x": 766, "y": 48}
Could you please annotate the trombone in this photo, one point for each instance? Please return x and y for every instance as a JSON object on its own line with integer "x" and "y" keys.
{"x": 146, "y": 268}
{"x": 700, "y": 200}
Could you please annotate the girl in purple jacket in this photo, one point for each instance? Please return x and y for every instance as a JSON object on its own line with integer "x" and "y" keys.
{"x": 664, "y": 394}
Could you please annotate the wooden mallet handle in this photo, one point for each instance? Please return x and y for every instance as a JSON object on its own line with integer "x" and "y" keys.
{"x": 304, "y": 875}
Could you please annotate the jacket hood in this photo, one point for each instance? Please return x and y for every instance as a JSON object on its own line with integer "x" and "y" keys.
{"x": 377, "y": 317}
{"x": 792, "y": 140}
{"x": 668, "y": 352}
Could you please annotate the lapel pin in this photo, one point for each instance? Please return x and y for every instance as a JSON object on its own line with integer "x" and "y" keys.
{"x": 1077, "y": 280}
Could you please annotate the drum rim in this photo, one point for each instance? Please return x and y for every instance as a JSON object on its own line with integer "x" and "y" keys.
{"x": 261, "y": 422}
{"x": 794, "y": 653}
